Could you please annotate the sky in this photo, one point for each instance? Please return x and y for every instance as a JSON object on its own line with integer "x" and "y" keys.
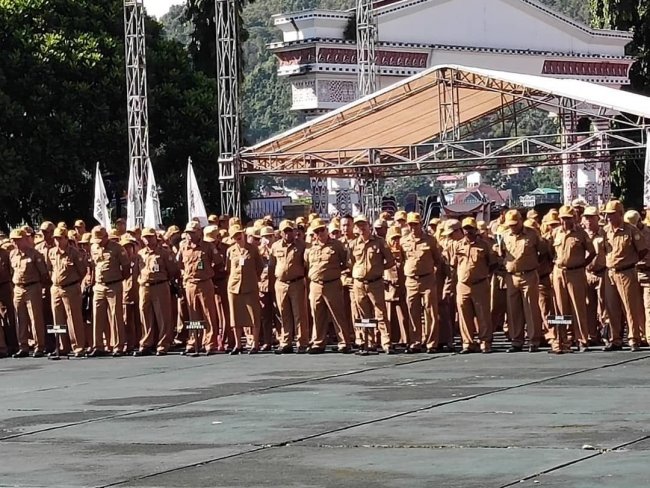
{"x": 158, "y": 8}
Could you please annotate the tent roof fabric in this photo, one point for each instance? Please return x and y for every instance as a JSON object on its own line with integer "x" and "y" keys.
{"x": 408, "y": 112}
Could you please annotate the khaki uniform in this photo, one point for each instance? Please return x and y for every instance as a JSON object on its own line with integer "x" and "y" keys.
{"x": 570, "y": 283}
{"x": 111, "y": 266}
{"x": 422, "y": 257}
{"x": 220, "y": 280}
{"x": 368, "y": 260}
{"x": 68, "y": 268}
{"x": 156, "y": 268}
{"x": 44, "y": 248}
{"x": 351, "y": 311}
{"x": 395, "y": 293}
{"x": 325, "y": 263}
{"x": 199, "y": 261}
{"x": 447, "y": 294}
{"x": 598, "y": 281}
{"x": 29, "y": 277}
{"x": 623, "y": 246}
{"x": 267, "y": 301}
{"x": 546, "y": 294}
{"x": 130, "y": 303}
{"x": 473, "y": 262}
{"x": 498, "y": 290}
{"x": 521, "y": 259}
{"x": 8, "y": 342}
{"x": 244, "y": 266}
{"x": 643, "y": 274}
{"x": 287, "y": 264}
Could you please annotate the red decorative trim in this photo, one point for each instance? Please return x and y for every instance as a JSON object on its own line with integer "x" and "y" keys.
{"x": 578, "y": 68}
{"x": 297, "y": 57}
{"x": 384, "y": 58}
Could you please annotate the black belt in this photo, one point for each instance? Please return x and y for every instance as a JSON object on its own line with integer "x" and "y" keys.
{"x": 521, "y": 273}
{"x": 324, "y": 282}
{"x": 110, "y": 282}
{"x": 421, "y": 275}
{"x": 69, "y": 284}
{"x": 288, "y": 282}
{"x": 598, "y": 272}
{"x": 479, "y": 281}
{"x": 571, "y": 268}
{"x": 620, "y": 270}
{"x": 25, "y": 285}
{"x": 156, "y": 283}
{"x": 367, "y": 282}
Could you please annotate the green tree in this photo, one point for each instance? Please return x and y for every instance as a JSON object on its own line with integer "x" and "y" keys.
{"x": 627, "y": 171}
{"x": 63, "y": 108}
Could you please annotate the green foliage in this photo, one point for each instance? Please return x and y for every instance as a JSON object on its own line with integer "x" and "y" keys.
{"x": 176, "y": 26}
{"x": 63, "y": 108}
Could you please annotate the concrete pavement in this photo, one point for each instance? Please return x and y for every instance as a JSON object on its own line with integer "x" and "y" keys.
{"x": 445, "y": 420}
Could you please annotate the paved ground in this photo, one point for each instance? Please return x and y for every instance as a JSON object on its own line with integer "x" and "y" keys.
{"x": 577, "y": 421}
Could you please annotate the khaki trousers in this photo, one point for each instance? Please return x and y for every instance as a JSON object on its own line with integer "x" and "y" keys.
{"x": 201, "y": 306}
{"x": 8, "y": 331}
{"x": 498, "y": 301}
{"x": 523, "y": 308}
{"x": 571, "y": 298}
{"x": 290, "y": 299}
{"x": 226, "y": 334}
{"x": 245, "y": 315}
{"x": 473, "y": 302}
{"x": 28, "y": 302}
{"x": 422, "y": 303}
{"x": 371, "y": 304}
{"x": 326, "y": 301}
{"x": 66, "y": 309}
{"x": 627, "y": 286}
{"x": 546, "y": 305}
{"x": 108, "y": 317}
{"x": 646, "y": 307}
{"x": 267, "y": 320}
{"x": 596, "y": 304}
{"x": 155, "y": 304}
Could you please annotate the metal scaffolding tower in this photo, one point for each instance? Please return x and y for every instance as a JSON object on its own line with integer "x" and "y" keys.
{"x": 228, "y": 105}
{"x": 366, "y": 41}
{"x": 367, "y": 187}
{"x": 137, "y": 108}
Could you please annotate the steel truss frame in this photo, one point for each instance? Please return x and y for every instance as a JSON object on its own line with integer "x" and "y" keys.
{"x": 137, "y": 105}
{"x": 451, "y": 150}
{"x": 228, "y": 88}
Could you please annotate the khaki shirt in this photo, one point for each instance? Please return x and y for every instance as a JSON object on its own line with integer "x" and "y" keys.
{"x": 644, "y": 264}
{"x": 67, "y": 266}
{"x": 5, "y": 266}
{"x": 28, "y": 267}
{"x": 220, "y": 273}
{"x": 572, "y": 248}
{"x": 199, "y": 261}
{"x": 44, "y": 248}
{"x": 287, "y": 261}
{"x": 156, "y": 265}
{"x": 369, "y": 259}
{"x": 522, "y": 251}
{"x": 622, "y": 246}
{"x": 111, "y": 262}
{"x": 598, "y": 264}
{"x": 326, "y": 262}
{"x": 346, "y": 277}
{"x": 265, "y": 277}
{"x": 244, "y": 266}
{"x": 473, "y": 260}
{"x": 422, "y": 255}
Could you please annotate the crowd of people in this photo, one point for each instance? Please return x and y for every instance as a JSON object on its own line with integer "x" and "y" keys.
{"x": 397, "y": 284}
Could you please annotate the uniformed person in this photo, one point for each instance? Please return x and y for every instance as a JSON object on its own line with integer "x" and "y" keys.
{"x": 199, "y": 259}
{"x": 598, "y": 280}
{"x": 573, "y": 251}
{"x": 521, "y": 248}
{"x": 395, "y": 291}
{"x": 349, "y": 305}
{"x": 369, "y": 258}
{"x": 214, "y": 235}
{"x": 68, "y": 267}
{"x": 287, "y": 264}
{"x": 46, "y": 243}
{"x": 632, "y": 217}
{"x": 325, "y": 260}
{"x": 625, "y": 246}
{"x": 244, "y": 266}
{"x": 130, "y": 292}
{"x": 474, "y": 261}
{"x": 156, "y": 268}
{"x": 8, "y": 341}
{"x": 267, "y": 298}
{"x": 111, "y": 267}
{"x": 30, "y": 276}
{"x": 446, "y": 284}
{"x": 422, "y": 257}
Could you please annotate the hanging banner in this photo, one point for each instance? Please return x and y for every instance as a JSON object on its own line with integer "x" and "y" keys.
{"x": 100, "y": 206}
{"x": 195, "y": 206}
{"x": 130, "y": 201}
{"x": 152, "y": 217}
